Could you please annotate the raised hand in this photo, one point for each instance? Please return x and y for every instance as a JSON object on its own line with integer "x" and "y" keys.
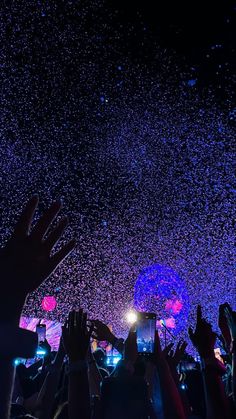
{"x": 174, "y": 358}
{"x": 102, "y": 332}
{"x": 223, "y": 325}
{"x": 171, "y": 402}
{"x": 168, "y": 349}
{"x": 203, "y": 338}
{"x": 76, "y": 336}
{"x": 26, "y": 260}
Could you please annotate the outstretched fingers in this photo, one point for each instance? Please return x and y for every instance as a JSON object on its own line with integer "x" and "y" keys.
{"x": 23, "y": 225}
{"x": 178, "y": 346}
{"x": 184, "y": 346}
{"x": 45, "y": 221}
{"x": 84, "y": 322}
{"x": 191, "y": 333}
{"x": 56, "y": 234}
{"x": 167, "y": 349}
{"x": 72, "y": 321}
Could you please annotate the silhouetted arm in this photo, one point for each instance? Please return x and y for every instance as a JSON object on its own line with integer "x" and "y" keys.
{"x": 76, "y": 339}
{"x": 204, "y": 340}
{"x": 25, "y": 262}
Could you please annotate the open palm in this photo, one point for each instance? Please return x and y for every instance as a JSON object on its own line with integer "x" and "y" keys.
{"x": 26, "y": 261}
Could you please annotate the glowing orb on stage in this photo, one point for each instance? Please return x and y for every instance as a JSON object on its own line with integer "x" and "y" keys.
{"x": 160, "y": 290}
{"x": 49, "y": 303}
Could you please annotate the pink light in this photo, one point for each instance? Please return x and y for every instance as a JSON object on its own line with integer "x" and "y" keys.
{"x": 170, "y": 323}
{"x": 49, "y": 303}
{"x": 174, "y": 306}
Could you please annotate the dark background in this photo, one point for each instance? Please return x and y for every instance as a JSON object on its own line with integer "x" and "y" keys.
{"x": 202, "y": 33}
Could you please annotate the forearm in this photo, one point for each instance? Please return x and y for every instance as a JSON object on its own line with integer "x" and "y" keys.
{"x": 47, "y": 393}
{"x": 172, "y": 404}
{"x": 182, "y": 393}
{"x": 7, "y": 374}
{"x": 216, "y": 400}
{"x": 152, "y": 377}
{"x": 95, "y": 379}
{"x": 14, "y": 342}
{"x": 78, "y": 395}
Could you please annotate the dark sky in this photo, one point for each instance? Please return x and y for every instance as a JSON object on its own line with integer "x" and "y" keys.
{"x": 201, "y": 33}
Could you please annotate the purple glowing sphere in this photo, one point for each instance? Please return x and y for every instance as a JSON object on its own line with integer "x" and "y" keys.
{"x": 160, "y": 290}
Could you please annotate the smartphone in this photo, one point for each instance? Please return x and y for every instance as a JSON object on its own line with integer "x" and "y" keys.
{"x": 146, "y": 329}
{"x": 41, "y": 331}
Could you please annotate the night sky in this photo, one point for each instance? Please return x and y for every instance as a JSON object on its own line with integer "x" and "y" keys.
{"x": 128, "y": 115}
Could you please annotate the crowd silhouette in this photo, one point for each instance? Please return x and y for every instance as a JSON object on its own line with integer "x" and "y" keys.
{"x": 75, "y": 382}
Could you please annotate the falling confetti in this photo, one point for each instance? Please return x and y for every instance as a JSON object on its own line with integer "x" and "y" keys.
{"x": 141, "y": 157}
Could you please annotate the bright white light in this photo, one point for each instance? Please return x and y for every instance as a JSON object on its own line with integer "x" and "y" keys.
{"x": 131, "y": 317}
{"x": 113, "y": 360}
{"x": 40, "y": 352}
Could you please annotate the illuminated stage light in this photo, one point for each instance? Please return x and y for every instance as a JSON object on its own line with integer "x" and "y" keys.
{"x": 131, "y": 317}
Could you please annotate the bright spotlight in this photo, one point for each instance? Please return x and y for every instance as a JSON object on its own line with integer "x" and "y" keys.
{"x": 131, "y": 317}
{"x": 40, "y": 352}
